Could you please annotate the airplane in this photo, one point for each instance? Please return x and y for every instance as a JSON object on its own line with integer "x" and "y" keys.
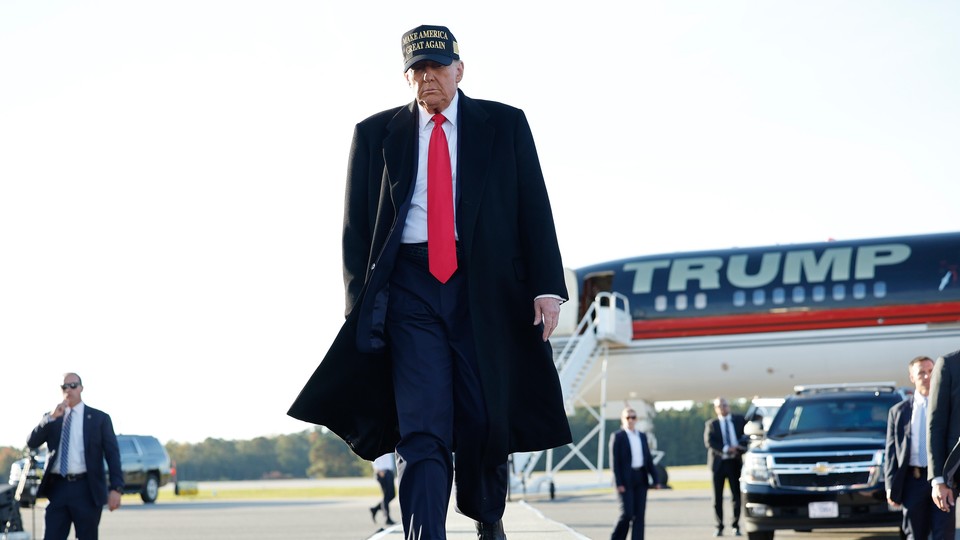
{"x": 757, "y": 321}
{"x": 746, "y": 322}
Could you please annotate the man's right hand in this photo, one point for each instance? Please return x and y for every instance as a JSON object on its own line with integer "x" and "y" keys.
{"x": 943, "y": 497}
{"x": 59, "y": 410}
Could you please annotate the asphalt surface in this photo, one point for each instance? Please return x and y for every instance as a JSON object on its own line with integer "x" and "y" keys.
{"x": 583, "y": 508}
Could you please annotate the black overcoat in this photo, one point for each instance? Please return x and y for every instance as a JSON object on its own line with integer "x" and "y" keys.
{"x": 510, "y": 255}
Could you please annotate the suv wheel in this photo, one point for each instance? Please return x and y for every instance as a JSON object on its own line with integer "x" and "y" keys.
{"x": 150, "y": 489}
{"x": 760, "y": 535}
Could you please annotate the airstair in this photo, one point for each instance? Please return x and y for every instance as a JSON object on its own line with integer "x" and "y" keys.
{"x": 607, "y": 323}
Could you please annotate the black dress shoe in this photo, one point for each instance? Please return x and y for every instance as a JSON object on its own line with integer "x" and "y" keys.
{"x": 718, "y": 532}
{"x": 736, "y": 531}
{"x": 491, "y": 531}
{"x": 373, "y": 513}
{"x": 390, "y": 521}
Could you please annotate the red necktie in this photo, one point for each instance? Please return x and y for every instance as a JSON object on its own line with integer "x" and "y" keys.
{"x": 441, "y": 243}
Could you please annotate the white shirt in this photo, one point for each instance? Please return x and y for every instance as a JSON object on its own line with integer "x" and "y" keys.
{"x": 636, "y": 451}
{"x": 415, "y": 227}
{"x": 383, "y": 463}
{"x": 918, "y": 429}
{"x": 76, "y": 462}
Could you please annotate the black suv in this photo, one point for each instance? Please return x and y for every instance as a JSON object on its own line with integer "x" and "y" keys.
{"x": 820, "y": 464}
{"x": 145, "y": 464}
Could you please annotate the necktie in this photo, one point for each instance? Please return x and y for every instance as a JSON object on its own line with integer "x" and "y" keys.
{"x": 441, "y": 243}
{"x": 65, "y": 443}
{"x": 728, "y": 428}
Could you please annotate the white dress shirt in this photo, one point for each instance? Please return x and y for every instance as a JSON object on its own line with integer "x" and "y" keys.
{"x": 76, "y": 458}
{"x": 918, "y": 430}
{"x": 636, "y": 451}
{"x": 415, "y": 226}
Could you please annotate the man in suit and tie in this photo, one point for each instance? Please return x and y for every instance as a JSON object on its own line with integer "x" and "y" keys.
{"x": 943, "y": 426}
{"x": 633, "y": 474}
{"x": 79, "y": 439}
{"x": 905, "y": 466}
{"x": 453, "y": 286}
{"x": 722, "y": 438}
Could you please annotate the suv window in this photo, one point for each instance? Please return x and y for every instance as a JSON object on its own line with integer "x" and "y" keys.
{"x": 151, "y": 445}
{"x": 799, "y": 416}
{"x": 127, "y": 446}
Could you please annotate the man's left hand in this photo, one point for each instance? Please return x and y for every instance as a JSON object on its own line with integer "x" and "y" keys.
{"x": 547, "y": 311}
{"x": 113, "y": 500}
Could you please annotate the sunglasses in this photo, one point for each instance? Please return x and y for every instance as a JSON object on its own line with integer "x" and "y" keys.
{"x": 69, "y": 385}
{"x": 633, "y": 417}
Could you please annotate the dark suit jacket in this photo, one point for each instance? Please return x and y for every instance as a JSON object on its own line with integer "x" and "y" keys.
{"x": 943, "y": 412}
{"x": 713, "y": 440}
{"x": 621, "y": 457}
{"x": 99, "y": 444}
{"x": 898, "y": 448}
{"x": 510, "y": 255}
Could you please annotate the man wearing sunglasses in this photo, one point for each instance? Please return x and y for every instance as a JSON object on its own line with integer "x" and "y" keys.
{"x": 633, "y": 473}
{"x": 79, "y": 439}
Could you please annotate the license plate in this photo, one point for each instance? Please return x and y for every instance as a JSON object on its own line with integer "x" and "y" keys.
{"x": 824, "y": 509}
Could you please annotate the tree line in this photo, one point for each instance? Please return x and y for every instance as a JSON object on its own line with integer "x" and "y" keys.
{"x": 317, "y": 453}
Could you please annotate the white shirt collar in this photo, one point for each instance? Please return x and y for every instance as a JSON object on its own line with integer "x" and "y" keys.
{"x": 78, "y": 407}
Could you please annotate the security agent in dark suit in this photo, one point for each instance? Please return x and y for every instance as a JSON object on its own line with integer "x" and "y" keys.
{"x": 943, "y": 426}
{"x": 79, "y": 439}
{"x": 436, "y": 366}
{"x": 633, "y": 473}
{"x": 722, "y": 438}
{"x": 905, "y": 466}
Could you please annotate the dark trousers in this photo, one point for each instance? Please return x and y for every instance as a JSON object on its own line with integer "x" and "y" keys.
{"x": 921, "y": 516}
{"x": 633, "y": 506}
{"x": 728, "y": 470}
{"x": 440, "y": 404}
{"x": 71, "y": 503}
{"x": 388, "y": 489}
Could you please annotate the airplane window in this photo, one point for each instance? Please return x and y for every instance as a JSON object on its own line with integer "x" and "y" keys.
{"x": 819, "y": 293}
{"x": 700, "y": 300}
{"x": 779, "y": 296}
{"x": 739, "y": 298}
{"x": 798, "y": 294}
{"x": 759, "y": 297}
{"x": 839, "y": 291}
{"x": 681, "y": 302}
{"x": 660, "y": 303}
{"x": 859, "y": 291}
{"x": 880, "y": 289}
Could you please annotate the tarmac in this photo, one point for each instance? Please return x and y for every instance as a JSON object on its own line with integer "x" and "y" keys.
{"x": 523, "y": 521}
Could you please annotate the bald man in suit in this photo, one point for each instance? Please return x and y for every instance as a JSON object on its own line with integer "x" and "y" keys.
{"x": 722, "y": 437}
{"x": 79, "y": 440}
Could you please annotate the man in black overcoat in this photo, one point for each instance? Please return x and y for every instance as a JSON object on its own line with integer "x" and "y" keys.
{"x": 457, "y": 365}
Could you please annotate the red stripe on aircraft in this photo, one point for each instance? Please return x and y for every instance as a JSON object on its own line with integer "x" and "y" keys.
{"x": 789, "y": 321}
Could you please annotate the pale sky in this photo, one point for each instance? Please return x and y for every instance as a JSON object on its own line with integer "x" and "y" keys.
{"x": 171, "y": 173}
